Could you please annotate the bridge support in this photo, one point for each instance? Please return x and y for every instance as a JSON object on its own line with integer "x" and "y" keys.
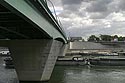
{"x": 34, "y": 60}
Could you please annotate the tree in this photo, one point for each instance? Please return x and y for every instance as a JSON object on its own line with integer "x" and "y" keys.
{"x": 105, "y": 37}
{"x": 115, "y": 36}
{"x": 93, "y": 38}
{"x": 83, "y": 40}
{"x": 121, "y": 38}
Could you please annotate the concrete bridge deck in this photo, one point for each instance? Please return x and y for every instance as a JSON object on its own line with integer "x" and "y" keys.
{"x": 28, "y": 19}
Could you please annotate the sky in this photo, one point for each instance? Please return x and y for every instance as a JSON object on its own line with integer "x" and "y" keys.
{"x": 82, "y": 18}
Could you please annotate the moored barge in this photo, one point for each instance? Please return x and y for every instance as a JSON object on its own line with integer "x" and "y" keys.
{"x": 107, "y": 61}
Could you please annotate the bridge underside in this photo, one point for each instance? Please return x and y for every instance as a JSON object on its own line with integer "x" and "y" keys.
{"x": 14, "y": 27}
{"x": 32, "y": 47}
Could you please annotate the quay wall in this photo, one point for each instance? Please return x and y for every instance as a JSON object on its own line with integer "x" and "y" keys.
{"x": 78, "y": 45}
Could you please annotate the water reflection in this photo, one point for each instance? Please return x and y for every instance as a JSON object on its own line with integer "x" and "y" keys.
{"x": 74, "y": 74}
{"x": 88, "y": 75}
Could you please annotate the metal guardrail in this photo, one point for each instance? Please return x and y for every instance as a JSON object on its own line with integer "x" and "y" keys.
{"x": 44, "y": 5}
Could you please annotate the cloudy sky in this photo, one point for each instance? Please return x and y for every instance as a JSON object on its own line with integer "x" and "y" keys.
{"x": 86, "y": 17}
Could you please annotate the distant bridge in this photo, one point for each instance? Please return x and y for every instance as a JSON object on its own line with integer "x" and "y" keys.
{"x": 33, "y": 36}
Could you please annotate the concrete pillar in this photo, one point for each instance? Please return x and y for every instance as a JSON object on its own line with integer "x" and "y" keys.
{"x": 34, "y": 60}
{"x": 63, "y": 50}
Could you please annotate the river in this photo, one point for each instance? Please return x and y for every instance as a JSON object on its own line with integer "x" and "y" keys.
{"x": 73, "y": 74}
{"x": 79, "y": 74}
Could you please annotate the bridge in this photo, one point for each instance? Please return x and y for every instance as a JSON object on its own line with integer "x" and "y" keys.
{"x": 33, "y": 36}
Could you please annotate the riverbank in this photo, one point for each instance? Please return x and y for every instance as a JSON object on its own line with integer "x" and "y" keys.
{"x": 91, "y": 60}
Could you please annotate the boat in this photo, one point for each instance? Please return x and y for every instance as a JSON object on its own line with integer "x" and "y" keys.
{"x": 107, "y": 61}
{"x": 70, "y": 61}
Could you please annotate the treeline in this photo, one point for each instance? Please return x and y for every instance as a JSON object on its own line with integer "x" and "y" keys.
{"x": 106, "y": 38}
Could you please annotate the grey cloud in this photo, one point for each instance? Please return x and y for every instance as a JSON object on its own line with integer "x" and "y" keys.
{"x": 117, "y": 5}
{"x": 98, "y": 15}
{"x": 96, "y": 31}
{"x": 122, "y": 5}
{"x": 70, "y": 2}
{"x": 98, "y": 10}
{"x": 71, "y": 8}
{"x": 113, "y": 6}
{"x": 65, "y": 14}
{"x": 98, "y": 6}
{"x": 55, "y": 3}
{"x": 102, "y": 8}
{"x": 71, "y": 5}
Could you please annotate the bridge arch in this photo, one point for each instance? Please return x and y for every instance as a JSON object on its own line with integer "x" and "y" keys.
{"x": 60, "y": 39}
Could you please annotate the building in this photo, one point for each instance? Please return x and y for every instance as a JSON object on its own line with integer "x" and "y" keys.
{"x": 72, "y": 39}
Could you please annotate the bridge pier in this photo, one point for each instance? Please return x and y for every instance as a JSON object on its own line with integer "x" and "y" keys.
{"x": 34, "y": 60}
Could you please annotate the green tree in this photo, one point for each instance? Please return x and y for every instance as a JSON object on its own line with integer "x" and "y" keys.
{"x": 121, "y": 38}
{"x": 115, "y": 36}
{"x": 83, "y": 40}
{"x": 93, "y": 38}
{"x": 105, "y": 37}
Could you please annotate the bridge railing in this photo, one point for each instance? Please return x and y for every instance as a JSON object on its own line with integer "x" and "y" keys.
{"x": 56, "y": 17}
{"x": 43, "y": 3}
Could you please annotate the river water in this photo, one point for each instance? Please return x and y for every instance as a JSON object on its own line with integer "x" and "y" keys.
{"x": 79, "y": 74}
{"x": 73, "y": 74}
